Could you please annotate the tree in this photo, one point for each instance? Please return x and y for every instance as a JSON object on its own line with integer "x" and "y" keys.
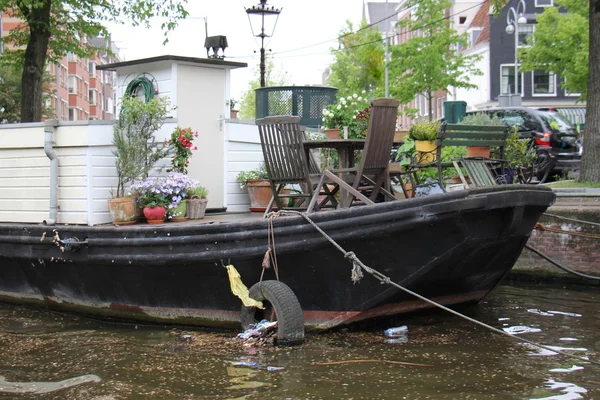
{"x": 560, "y": 44}
{"x": 359, "y": 63}
{"x": 10, "y": 95}
{"x": 273, "y": 77}
{"x": 590, "y": 167}
{"x": 53, "y": 28}
{"x": 428, "y": 61}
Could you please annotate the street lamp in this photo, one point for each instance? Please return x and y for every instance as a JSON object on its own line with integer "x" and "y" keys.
{"x": 261, "y": 11}
{"x": 514, "y": 18}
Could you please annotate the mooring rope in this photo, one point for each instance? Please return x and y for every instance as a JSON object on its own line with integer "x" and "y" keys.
{"x": 559, "y": 265}
{"x": 357, "y": 274}
{"x": 543, "y": 227}
{"x": 572, "y": 219}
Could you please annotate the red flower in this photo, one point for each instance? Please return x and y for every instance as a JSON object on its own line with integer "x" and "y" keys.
{"x": 195, "y": 147}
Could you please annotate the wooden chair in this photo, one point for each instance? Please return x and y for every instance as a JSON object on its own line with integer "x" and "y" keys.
{"x": 371, "y": 177}
{"x": 287, "y": 163}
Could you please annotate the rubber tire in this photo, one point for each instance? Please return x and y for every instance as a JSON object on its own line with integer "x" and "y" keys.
{"x": 290, "y": 320}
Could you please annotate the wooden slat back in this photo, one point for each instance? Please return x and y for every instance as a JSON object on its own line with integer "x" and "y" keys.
{"x": 380, "y": 135}
{"x": 472, "y": 135}
{"x": 281, "y": 139}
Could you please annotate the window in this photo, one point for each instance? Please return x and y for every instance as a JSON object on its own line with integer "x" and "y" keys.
{"x": 525, "y": 33}
{"x": 507, "y": 80}
{"x": 92, "y": 68}
{"x": 473, "y": 36}
{"x": 92, "y": 96}
{"x": 72, "y": 84}
{"x": 462, "y": 20}
{"x": 72, "y": 114}
{"x": 544, "y": 3}
{"x": 71, "y": 57}
{"x": 567, "y": 93}
{"x": 544, "y": 83}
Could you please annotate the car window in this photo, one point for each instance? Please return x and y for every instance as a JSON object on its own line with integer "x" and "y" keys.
{"x": 556, "y": 122}
{"x": 512, "y": 118}
{"x": 530, "y": 121}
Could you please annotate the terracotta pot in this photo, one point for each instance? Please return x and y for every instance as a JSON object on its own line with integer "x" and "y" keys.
{"x": 155, "y": 215}
{"x": 260, "y": 194}
{"x": 478, "y": 151}
{"x": 333, "y": 133}
{"x": 122, "y": 210}
{"x": 425, "y": 151}
{"x": 233, "y": 114}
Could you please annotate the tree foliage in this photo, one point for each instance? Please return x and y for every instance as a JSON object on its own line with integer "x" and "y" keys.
{"x": 359, "y": 63}
{"x": 53, "y": 28}
{"x": 273, "y": 77}
{"x": 428, "y": 61}
{"x": 560, "y": 44}
{"x": 10, "y": 95}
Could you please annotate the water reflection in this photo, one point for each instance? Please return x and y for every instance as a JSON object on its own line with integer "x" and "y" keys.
{"x": 441, "y": 356}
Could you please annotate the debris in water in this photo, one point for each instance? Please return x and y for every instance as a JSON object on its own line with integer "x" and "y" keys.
{"x": 569, "y": 314}
{"x": 540, "y": 312}
{"x": 254, "y": 364}
{"x": 261, "y": 333}
{"x": 44, "y": 387}
{"x": 573, "y": 368}
{"x": 570, "y": 390}
{"x": 517, "y": 330}
{"x": 397, "y": 331}
{"x": 568, "y": 339}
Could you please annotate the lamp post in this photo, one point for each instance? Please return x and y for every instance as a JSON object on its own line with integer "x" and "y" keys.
{"x": 514, "y": 18}
{"x": 262, "y": 10}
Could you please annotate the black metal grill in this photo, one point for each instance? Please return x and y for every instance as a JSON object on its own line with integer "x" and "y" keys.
{"x": 306, "y": 102}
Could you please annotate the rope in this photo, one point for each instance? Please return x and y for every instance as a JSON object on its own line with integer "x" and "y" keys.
{"x": 145, "y": 83}
{"x": 271, "y": 253}
{"x": 543, "y": 227}
{"x": 559, "y": 265}
{"x": 572, "y": 219}
{"x": 385, "y": 279}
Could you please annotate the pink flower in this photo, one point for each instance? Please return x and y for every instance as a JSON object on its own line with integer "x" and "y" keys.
{"x": 195, "y": 147}
{"x": 196, "y": 134}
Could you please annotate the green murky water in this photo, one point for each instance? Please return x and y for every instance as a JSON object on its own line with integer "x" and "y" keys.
{"x": 56, "y": 356}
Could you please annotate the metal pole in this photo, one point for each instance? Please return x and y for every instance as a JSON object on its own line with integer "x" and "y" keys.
{"x": 387, "y": 40}
{"x": 262, "y": 65}
{"x": 516, "y": 57}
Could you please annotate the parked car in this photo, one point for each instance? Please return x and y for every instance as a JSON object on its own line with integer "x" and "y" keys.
{"x": 554, "y": 136}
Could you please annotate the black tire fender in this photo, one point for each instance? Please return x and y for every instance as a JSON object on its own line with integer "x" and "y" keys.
{"x": 287, "y": 310}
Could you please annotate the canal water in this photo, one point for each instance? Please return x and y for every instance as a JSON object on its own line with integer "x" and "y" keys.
{"x": 56, "y": 356}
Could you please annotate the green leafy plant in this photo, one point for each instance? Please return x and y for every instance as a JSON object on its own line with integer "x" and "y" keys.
{"x": 424, "y": 130}
{"x": 181, "y": 145}
{"x": 197, "y": 191}
{"x": 346, "y": 112}
{"x": 259, "y": 173}
{"x": 136, "y": 149}
{"x": 232, "y": 103}
{"x": 481, "y": 119}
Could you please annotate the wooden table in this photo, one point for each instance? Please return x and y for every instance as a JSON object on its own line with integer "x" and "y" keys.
{"x": 344, "y": 147}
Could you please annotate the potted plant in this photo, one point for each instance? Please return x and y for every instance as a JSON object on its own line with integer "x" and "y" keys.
{"x": 481, "y": 119}
{"x": 233, "y": 112}
{"x": 344, "y": 113}
{"x": 177, "y": 184}
{"x": 152, "y": 197}
{"x": 196, "y": 202}
{"x": 181, "y": 146}
{"x": 136, "y": 151}
{"x": 258, "y": 186}
{"x": 424, "y": 134}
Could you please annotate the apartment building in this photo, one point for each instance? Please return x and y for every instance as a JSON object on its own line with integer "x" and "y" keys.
{"x": 77, "y": 90}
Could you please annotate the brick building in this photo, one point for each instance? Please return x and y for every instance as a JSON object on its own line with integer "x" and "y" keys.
{"x": 78, "y": 90}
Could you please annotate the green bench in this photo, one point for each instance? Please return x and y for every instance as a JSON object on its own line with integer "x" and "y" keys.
{"x": 478, "y": 168}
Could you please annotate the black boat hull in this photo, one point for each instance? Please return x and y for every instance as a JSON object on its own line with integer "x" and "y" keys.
{"x": 454, "y": 248}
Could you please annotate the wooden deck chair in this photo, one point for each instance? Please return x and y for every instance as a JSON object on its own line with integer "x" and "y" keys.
{"x": 479, "y": 171}
{"x": 287, "y": 163}
{"x": 371, "y": 177}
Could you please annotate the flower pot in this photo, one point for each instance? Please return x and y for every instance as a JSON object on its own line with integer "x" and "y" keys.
{"x": 196, "y": 207}
{"x": 155, "y": 215}
{"x": 122, "y": 210}
{"x": 233, "y": 114}
{"x": 425, "y": 151}
{"x": 478, "y": 151}
{"x": 333, "y": 133}
{"x": 260, "y": 194}
{"x": 177, "y": 213}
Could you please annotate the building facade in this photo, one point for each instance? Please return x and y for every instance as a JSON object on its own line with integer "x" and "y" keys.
{"x": 77, "y": 91}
